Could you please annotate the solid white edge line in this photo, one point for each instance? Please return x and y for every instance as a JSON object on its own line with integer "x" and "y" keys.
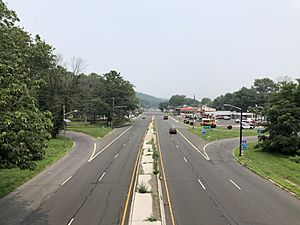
{"x": 235, "y": 184}
{"x": 185, "y": 159}
{"x": 204, "y": 148}
{"x": 91, "y": 158}
{"x": 201, "y": 184}
{"x": 94, "y": 156}
{"x": 205, "y": 156}
{"x": 71, "y": 221}
{"x": 116, "y": 155}
{"x": 66, "y": 180}
{"x": 101, "y": 176}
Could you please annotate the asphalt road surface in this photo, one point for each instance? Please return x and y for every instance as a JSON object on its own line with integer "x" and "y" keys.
{"x": 218, "y": 190}
{"x": 97, "y": 192}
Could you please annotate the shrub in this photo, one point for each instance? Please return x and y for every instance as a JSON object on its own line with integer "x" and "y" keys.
{"x": 143, "y": 187}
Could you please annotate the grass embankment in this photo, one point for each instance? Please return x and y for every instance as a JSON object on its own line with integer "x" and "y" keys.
{"x": 282, "y": 169}
{"x": 10, "y": 179}
{"x": 214, "y": 134}
{"x": 97, "y": 130}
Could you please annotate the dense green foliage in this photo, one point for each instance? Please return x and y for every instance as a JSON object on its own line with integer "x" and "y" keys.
{"x": 23, "y": 127}
{"x": 283, "y": 115}
{"x": 34, "y": 87}
{"x": 248, "y": 98}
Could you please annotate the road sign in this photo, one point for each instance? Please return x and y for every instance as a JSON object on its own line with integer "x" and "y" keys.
{"x": 244, "y": 146}
{"x": 203, "y": 131}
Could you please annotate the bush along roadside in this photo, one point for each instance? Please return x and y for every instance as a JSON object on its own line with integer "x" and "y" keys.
{"x": 146, "y": 201}
{"x": 284, "y": 171}
{"x": 12, "y": 178}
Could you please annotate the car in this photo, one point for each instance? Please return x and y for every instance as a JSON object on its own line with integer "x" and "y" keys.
{"x": 143, "y": 118}
{"x": 165, "y": 117}
{"x": 172, "y": 130}
{"x": 247, "y": 126}
{"x": 226, "y": 117}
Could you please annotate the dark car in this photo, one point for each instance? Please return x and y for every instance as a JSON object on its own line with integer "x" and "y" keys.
{"x": 143, "y": 118}
{"x": 172, "y": 130}
{"x": 165, "y": 117}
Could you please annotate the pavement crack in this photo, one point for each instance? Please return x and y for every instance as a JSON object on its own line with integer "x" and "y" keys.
{"x": 107, "y": 202}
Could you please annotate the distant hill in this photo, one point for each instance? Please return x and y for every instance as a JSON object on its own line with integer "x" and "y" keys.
{"x": 149, "y": 100}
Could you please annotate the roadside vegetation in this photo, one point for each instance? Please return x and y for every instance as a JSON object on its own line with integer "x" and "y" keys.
{"x": 12, "y": 178}
{"x": 283, "y": 169}
{"x": 221, "y": 133}
{"x": 97, "y": 130}
{"x": 37, "y": 94}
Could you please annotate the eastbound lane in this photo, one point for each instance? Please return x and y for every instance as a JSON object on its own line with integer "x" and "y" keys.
{"x": 96, "y": 194}
{"x": 226, "y": 193}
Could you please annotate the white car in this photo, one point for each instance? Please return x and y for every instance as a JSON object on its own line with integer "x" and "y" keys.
{"x": 247, "y": 126}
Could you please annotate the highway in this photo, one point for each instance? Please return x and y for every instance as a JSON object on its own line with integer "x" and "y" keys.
{"x": 205, "y": 184}
{"x": 97, "y": 192}
{"x": 218, "y": 190}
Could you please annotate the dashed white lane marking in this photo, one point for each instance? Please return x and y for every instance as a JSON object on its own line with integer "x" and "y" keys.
{"x": 201, "y": 184}
{"x": 205, "y": 156}
{"x": 173, "y": 126}
{"x": 177, "y": 146}
{"x": 66, "y": 180}
{"x": 124, "y": 145}
{"x": 101, "y": 176}
{"x": 185, "y": 159}
{"x": 235, "y": 184}
{"x": 94, "y": 156}
{"x": 71, "y": 221}
{"x": 116, "y": 155}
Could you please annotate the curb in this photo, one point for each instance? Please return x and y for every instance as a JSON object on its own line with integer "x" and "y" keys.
{"x": 161, "y": 202}
{"x": 266, "y": 178}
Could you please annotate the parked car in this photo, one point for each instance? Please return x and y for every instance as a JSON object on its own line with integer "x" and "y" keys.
{"x": 172, "y": 130}
{"x": 165, "y": 117}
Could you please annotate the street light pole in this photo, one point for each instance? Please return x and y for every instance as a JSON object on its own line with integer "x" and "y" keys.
{"x": 241, "y": 127}
{"x": 194, "y": 112}
{"x": 64, "y": 120}
{"x": 113, "y": 109}
{"x": 64, "y": 115}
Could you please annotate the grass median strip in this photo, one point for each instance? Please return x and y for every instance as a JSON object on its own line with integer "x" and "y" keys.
{"x": 282, "y": 169}
{"x": 220, "y": 133}
{"x": 10, "y": 179}
{"x": 98, "y": 130}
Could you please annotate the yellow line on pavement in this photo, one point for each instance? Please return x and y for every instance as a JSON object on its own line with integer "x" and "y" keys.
{"x": 132, "y": 181}
{"x": 164, "y": 175}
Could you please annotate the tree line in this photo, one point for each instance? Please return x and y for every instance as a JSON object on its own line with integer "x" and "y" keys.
{"x": 34, "y": 86}
{"x": 278, "y": 102}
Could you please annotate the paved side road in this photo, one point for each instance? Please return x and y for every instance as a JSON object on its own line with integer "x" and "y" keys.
{"x": 18, "y": 205}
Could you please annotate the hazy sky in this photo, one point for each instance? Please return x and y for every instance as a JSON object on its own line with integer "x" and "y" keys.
{"x": 166, "y": 47}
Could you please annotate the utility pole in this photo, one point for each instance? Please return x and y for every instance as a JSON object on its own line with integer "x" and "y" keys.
{"x": 113, "y": 109}
{"x": 241, "y": 127}
{"x": 64, "y": 115}
{"x": 194, "y": 112}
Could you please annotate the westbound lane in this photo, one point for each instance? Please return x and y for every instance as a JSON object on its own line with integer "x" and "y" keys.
{"x": 190, "y": 203}
{"x": 239, "y": 196}
{"x": 96, "y": 194}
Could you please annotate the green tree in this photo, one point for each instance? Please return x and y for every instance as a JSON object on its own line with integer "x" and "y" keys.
{"x": 23, "y": 128}
{"x": 283, "y": 116}
{"x": 163, "y": 105}
{"x": 206, "y": 101}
